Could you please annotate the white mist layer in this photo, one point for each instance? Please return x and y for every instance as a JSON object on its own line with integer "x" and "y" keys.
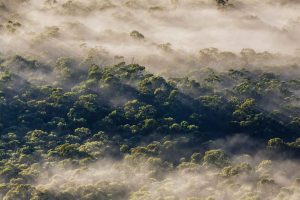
{"x": 150, "y": 179}
{"x": 174, "y": 31}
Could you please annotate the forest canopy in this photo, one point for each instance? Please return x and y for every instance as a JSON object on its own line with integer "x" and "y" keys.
{"x": 123, "y": 113}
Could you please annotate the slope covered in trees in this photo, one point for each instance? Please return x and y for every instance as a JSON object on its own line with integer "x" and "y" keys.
{"x": 62, "y": 121}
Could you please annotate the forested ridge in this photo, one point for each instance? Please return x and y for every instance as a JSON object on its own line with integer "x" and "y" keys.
{"x": 72, "y": 114}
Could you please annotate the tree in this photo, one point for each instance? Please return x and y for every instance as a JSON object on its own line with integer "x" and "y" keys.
{"x": 22, "y": 191}
{"x": 196, "y": 158}
{"x": 222, "y": 2}
{"x": 216, "y": 158}
{"x": 236, "y": 170}
{"x": 137, "y": 35}
{"x": 63, "y": 68}
{"x": 276, "y": 144}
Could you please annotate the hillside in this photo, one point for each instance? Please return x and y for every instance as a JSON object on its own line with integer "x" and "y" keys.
{"x": 123, "y": 113}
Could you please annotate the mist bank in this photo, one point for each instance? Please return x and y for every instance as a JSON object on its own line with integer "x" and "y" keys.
{"x": 188, "y": 181}
{"x": 164, "y": 36}
{"x": 147, "y": 172}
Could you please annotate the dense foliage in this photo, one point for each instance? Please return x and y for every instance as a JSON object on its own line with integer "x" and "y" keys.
{"x": 71, "y": 114}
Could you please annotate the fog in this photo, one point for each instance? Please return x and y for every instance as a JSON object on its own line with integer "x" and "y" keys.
{"x": 172, "y": 33}
{"x": 248, "y": 177}
{"x": 229, "y": 176}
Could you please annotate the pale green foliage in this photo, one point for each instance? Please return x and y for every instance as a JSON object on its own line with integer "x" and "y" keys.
{"x": 236, "y": 170}
{"x": 216, "y": 158}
